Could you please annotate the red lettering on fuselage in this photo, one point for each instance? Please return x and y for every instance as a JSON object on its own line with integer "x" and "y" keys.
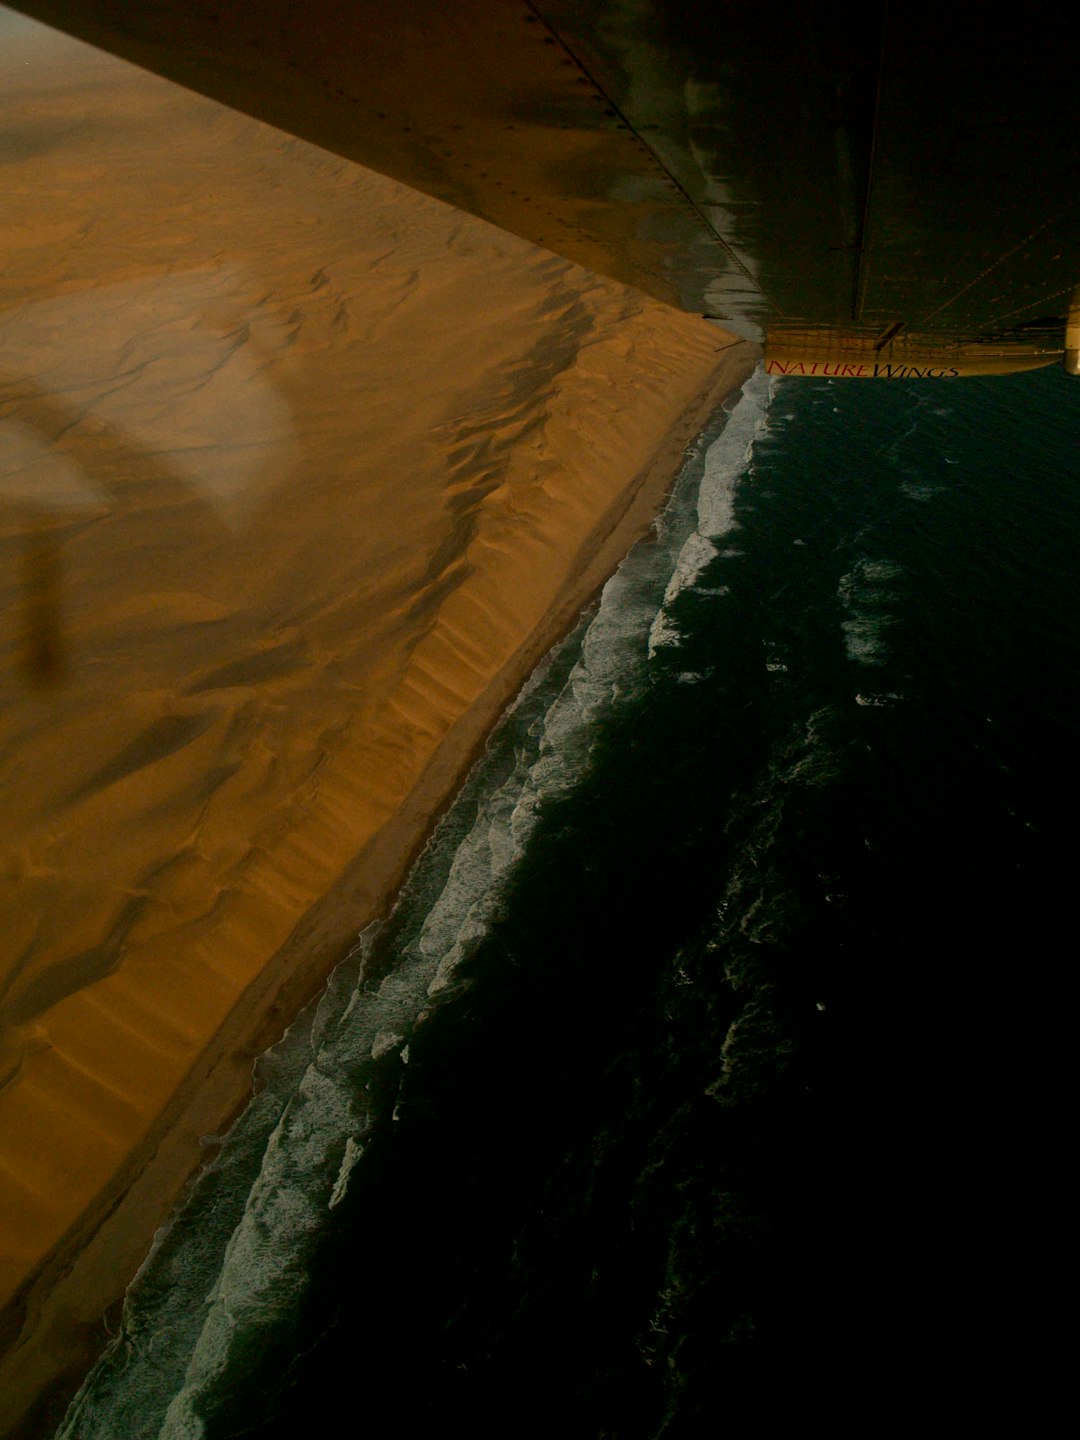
{"x": 850, "y": 370}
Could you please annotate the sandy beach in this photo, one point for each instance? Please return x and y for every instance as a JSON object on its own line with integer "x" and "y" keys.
{"x": 303, "y": 472}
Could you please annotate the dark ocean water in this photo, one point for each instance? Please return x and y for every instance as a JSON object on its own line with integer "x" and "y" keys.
{"x": 710, "y": 1073}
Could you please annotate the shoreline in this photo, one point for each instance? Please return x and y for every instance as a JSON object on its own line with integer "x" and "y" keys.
{"x": 54, "y": 1325}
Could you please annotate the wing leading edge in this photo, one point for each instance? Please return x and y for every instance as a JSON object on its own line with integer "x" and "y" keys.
{"x": 875, "y": 191}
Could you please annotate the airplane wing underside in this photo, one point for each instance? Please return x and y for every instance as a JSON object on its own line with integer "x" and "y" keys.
{"x": 874, "y": 189}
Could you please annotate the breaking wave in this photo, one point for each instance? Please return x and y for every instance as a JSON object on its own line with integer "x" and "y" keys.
{"x": 728, "y": 460}
{"x": 869, "y": 597}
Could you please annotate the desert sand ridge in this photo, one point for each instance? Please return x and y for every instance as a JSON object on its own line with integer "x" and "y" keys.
{"x": 302, "y": 473}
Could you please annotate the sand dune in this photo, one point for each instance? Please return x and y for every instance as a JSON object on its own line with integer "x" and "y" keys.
{"x": 301, "y": 473}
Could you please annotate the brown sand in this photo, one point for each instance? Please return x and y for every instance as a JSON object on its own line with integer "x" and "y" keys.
{"x": 301, "y": 474}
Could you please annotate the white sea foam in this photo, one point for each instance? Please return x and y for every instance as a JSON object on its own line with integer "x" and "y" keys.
{"x": 920, "y": 489}
{"x": 695, "y": 555}
{"x": 663, "y": 631}
{"x": 868, "y": 596}
{"x": 353, "y": 1151}
{"x": 384, "y": 1042}
{"x": 727, "y": 461}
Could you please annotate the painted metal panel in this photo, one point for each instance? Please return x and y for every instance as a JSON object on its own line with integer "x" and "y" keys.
{"x": 869, "y": 184}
